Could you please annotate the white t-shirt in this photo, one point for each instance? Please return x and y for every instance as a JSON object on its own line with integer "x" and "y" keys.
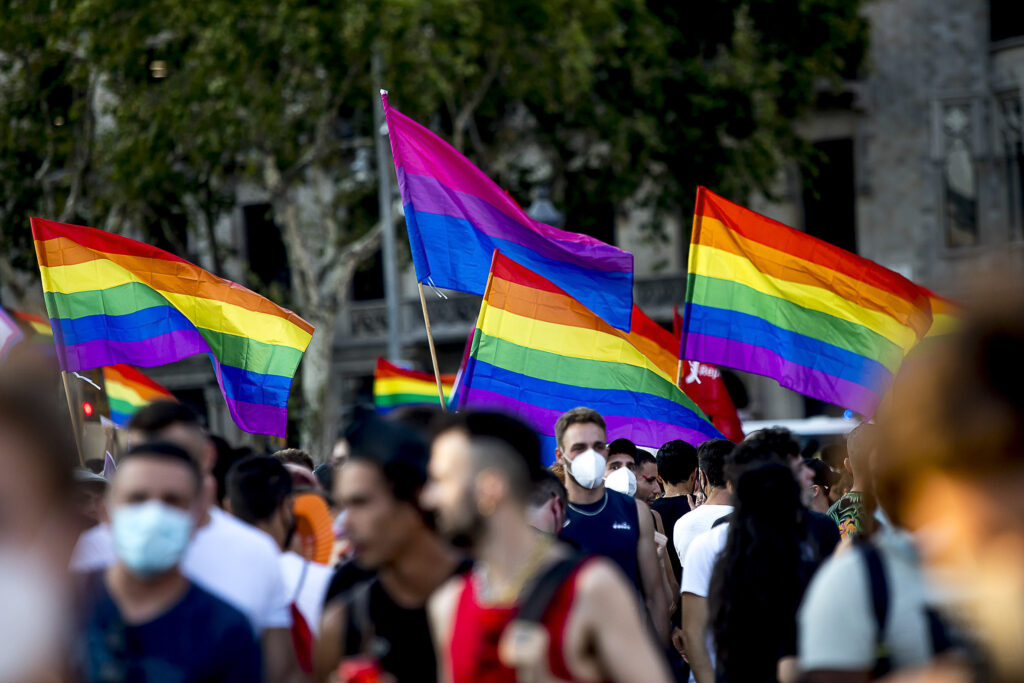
{"x": 698, "y": 566}
{"x": 693, "y": 524}
{"x": 309, "y": 598}
{"x": 236, "y": 562}
{"x": 837, "y": 624}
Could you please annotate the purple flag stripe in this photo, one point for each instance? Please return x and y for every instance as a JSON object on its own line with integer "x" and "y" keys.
{"x": 258, "y": 417}
{"x": 641, "y": 431}
{"x": 799, "y": 378}
{"x": 145, "y": 353}
{"x": 430, "y": 195}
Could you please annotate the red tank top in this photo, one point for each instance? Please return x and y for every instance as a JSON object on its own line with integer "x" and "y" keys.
{"x": 476, "y": 632}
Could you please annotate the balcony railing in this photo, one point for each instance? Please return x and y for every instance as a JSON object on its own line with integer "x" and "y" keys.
{"x": 364, "y": 323}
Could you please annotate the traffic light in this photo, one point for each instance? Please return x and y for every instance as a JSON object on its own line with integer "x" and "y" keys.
{"x": 92, "y": 401}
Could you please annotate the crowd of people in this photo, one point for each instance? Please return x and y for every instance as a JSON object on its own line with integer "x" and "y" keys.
{"x": 430, "y": 546}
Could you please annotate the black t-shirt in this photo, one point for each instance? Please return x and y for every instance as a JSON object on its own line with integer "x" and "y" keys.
{"x": 397, "y": 637}
{"x": 347, "y": 575}
{"x": 823, "y": 533}
{"x": 201, "y": 638}
{"x": 671, "y": 509}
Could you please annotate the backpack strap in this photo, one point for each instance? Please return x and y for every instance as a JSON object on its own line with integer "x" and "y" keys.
{"x": 534, "y": 603}
{"x": 724, "y": 519}
{"x": 879, "y": 603}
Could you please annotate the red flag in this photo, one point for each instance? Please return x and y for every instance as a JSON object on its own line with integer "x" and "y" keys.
{"x": 703, "y": 383}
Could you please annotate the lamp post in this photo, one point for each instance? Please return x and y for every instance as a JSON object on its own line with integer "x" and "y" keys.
{"x": 542, "y": 210}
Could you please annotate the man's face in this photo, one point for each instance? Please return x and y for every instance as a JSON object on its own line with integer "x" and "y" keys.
{"x": 377, "y": 525}
{"x": 647, "y": 487}
{"x": 142, "y": 479}
{"x": 449, "y": 491}
{"x": 581, "y": 437}
{"x": 804, "y": 478}
{"x": 89, "y": 501}
{"x": 618, "y": 461}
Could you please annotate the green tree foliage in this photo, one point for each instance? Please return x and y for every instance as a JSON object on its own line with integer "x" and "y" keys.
{"x": 161, "y": 116}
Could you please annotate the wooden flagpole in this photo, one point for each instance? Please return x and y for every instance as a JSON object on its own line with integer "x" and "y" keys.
{"x": 679, "y": 372}
{"x": 75, "y": 422}
{"x": 433, "y": 351}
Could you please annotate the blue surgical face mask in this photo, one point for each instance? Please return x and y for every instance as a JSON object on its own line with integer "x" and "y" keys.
{"x": 150, "y": 537}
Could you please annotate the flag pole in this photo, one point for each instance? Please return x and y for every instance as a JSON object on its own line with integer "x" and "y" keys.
{"x": 679, "y": 372}
{"x": 75, "y": 426}
{"x": 433, "y": 351}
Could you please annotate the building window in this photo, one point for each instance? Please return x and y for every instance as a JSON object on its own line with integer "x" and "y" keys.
{"x": 1012, "y": 152}
{"x": 1006, "y": 19}
{"x": 268, "y": 258}
{"x": 959, "y": 178}
{"x": 830, "y": 197}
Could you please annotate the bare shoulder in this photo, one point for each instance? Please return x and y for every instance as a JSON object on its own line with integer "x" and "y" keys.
{"x": 598, "y": 576}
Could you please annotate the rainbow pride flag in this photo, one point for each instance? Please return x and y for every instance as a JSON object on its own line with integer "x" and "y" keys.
{"x": 10, "y": 334}
{"x": 394, "y": 386}
{"x": 113, "y": 300}
{"x": 457, "y": 217}
{"x": 537, "y": 352}
{"x": 768, "y": 299}
{"x": 128, "y": 390}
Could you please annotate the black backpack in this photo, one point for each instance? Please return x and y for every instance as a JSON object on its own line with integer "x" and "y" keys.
{"x": 938, "y": 629}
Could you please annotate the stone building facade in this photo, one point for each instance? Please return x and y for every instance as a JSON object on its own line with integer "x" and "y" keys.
{"x": 920, "y": 168}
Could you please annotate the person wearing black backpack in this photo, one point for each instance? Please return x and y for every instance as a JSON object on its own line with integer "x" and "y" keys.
{"x": 531, "y": 609}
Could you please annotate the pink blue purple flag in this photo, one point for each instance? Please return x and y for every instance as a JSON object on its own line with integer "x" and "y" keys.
{"x": 457, "y": 217}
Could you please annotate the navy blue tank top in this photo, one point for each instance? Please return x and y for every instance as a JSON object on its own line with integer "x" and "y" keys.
{"x": 608, "y": 527}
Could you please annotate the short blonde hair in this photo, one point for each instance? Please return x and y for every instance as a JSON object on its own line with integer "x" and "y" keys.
{"x": 579, "y": 415}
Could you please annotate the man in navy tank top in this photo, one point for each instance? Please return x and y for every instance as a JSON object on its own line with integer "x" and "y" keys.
{"x": 605, "y": 522}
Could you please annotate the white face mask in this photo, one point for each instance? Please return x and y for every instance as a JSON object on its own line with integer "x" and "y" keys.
{"x": 622, "y": 480}
{"x": 32, "y": 615}
{"x": 587, "y": 469}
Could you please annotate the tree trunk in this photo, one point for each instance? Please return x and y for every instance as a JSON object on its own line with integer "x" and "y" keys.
{"x": 319, "y": 422}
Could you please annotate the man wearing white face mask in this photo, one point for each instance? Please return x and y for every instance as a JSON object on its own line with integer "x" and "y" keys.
{"x": 606, "y": 522}
{"x": 144, "y": 621}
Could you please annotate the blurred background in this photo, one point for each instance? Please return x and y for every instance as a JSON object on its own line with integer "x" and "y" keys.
{"x": 246, "y": 138}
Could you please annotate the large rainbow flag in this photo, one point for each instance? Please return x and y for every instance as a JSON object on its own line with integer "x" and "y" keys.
{"x": 394, "y": 386}
{"x": 537, "y": 352}
{"x": 457, "y": 217}
{"x": 113, "y": 300}
{"x": 771, "y": 300}
{"x": 128, "y": 390}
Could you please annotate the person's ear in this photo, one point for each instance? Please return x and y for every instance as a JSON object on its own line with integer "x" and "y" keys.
{"x": 490, "y": 489}
{"x": 817, "y": 490}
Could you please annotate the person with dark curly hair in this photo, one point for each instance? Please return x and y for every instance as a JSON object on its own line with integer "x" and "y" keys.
{"x": 760, "y": 577}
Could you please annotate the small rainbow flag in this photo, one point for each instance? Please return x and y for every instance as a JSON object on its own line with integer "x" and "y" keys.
{"x": 394, "y": 386}
{"x": 113, "y": 300}
{"x": 128, "y": 390}
{"x": 457, "y": 217}
{"x": 771, "y": 300}
{"x": 38, "y": 325}
{"x": 10, "y": 334}
{"x": 537, "y": 353}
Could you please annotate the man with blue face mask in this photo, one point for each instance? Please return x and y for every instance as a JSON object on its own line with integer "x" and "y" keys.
{"x": 144, "y": 621}
{"x": 603, "y": 521}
